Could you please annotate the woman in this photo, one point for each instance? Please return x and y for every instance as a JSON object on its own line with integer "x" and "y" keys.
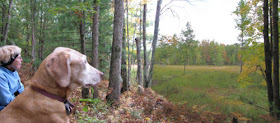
{"x": 10, "y": 84}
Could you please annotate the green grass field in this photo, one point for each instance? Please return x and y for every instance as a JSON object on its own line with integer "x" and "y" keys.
{"x": 214, "y": 87}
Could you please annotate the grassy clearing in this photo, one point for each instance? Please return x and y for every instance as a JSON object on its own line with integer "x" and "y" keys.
{"x": 213, "y": 87}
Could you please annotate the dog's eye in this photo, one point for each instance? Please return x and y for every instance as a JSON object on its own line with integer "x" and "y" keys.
{"x": 85, "y": 61}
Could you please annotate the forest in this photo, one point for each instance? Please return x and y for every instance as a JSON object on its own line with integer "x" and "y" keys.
{"x": 175, "y": 51}
{"x": 113, "y": 35}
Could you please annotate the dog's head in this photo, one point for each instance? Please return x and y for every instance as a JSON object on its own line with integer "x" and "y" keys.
{"x": 69, "y": 67}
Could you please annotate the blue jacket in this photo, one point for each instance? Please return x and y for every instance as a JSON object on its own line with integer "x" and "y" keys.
{"x": 9, "y": 84}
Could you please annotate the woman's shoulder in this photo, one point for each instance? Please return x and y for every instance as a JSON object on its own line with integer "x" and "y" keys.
{"x": 3, "y": 71}
{"x": 2, "y": 74}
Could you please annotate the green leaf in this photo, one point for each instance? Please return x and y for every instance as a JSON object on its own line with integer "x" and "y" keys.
{"x": 90, "y": 100}
{"x": 85, "y": 109}
{"x": 85, "y": 100}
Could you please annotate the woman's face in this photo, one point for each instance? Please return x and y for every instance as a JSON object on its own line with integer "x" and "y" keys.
{"x": 17, "y": 63}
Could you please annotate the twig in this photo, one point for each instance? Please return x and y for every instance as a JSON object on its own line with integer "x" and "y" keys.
{"x": 166, "y": 5}
{"x": 258, "y": 66}
{"x": 252, "y": 103}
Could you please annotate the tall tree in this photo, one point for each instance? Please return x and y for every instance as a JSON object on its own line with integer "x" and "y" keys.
{"x": 82, "y": 30}
{"x": 6, "y": 30}
{"x": 140, "y": 19}
{"x": 145, "y": 67}
{"x": 105, "y": 38}
{"x": 188, "y": 45}
{"x": 85, "y": 91}
{"x": 115, "y": 79}
{"x": 44, "y": 19}
{"x": 268, "y": 56}
{"x": 124, "y": 66}
{"x": 139, "y": 68}
{"x": 155, "y": 39}
{"x": 275, "y": 57}
{"x": 33, "y": 27}
{"x": 128, "y": 47}
{"x": 95, "y": 40}
{"x": 242, "y": 22}
{"x": 27, "y": 26}
{"x": 188, "y": 33}
{"x": 3, "y": 6}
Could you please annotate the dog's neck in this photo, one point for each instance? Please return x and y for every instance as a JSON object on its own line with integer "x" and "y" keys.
{"x": 50, "y": 95}
{"x": 61, "y": 92}
{"x": 68, "y": 105}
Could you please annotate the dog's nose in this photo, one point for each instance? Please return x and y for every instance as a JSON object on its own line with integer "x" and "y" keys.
{"x": 101, "y": 75}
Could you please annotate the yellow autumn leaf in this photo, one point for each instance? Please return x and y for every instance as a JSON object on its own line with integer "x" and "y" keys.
{"x": 243, "y": 119}
{"x": 148, "y": 119}
{"x": 236, "y": 114}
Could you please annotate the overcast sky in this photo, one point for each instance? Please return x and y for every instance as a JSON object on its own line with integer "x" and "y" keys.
{"x": 210, "y": 19}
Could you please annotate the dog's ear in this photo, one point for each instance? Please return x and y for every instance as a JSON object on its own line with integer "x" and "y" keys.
{"x": 58, "y": 67}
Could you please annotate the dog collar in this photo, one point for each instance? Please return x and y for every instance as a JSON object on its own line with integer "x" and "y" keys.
{"x": 68, "y": 105}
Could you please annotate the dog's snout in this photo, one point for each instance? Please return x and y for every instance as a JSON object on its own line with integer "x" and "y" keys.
{"x": 101, "y": 75}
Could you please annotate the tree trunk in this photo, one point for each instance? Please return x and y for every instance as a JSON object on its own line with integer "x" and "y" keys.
{"x": 42, "y": 33}
{"x": 275, "y": 57}
{"x": 268, "y": 57}
{"x": 7, "y": 23}
{"x": 115, "y": 79}
{"x": 3, "y": 19}
{"x": 28, "y": 32}
{"x": 85, "y": 91}
{"x": 27, "y": 40}
{"x": 271, "y": 32}
{"x": 154, "y": 44}
{"x": 132, "y": 51}
{"x": 82, "y": 33}
{"x": 242, "y": 47}
{"x": 140, "y": 23}
{"x": 124, "y": 66}
{"x": 33, "y": 28}
{"x": 145, "y": 67}
{"x": 128, "y": 48}
{"x": 139, "y": 68}
{"x": 184, "y": 68}
{"x": 95, "y": 44}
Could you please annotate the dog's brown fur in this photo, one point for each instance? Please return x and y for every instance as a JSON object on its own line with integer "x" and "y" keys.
{"x": 60, "y": 73}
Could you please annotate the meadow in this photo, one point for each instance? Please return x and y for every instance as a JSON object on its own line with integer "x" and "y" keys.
{"x": 212, "y": 88}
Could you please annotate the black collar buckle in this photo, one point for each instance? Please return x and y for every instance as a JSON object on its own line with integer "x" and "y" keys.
{"x": 68, "y": 107}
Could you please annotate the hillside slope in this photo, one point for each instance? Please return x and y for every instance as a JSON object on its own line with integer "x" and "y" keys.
{"x": 138, "y": 107}
{"x": 135, "y": 107}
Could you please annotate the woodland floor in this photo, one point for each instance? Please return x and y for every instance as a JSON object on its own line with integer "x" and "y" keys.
{"x": 147, "y": 106}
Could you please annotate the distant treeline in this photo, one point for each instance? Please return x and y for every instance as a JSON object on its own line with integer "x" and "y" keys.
{"x": 173, "y": 50}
